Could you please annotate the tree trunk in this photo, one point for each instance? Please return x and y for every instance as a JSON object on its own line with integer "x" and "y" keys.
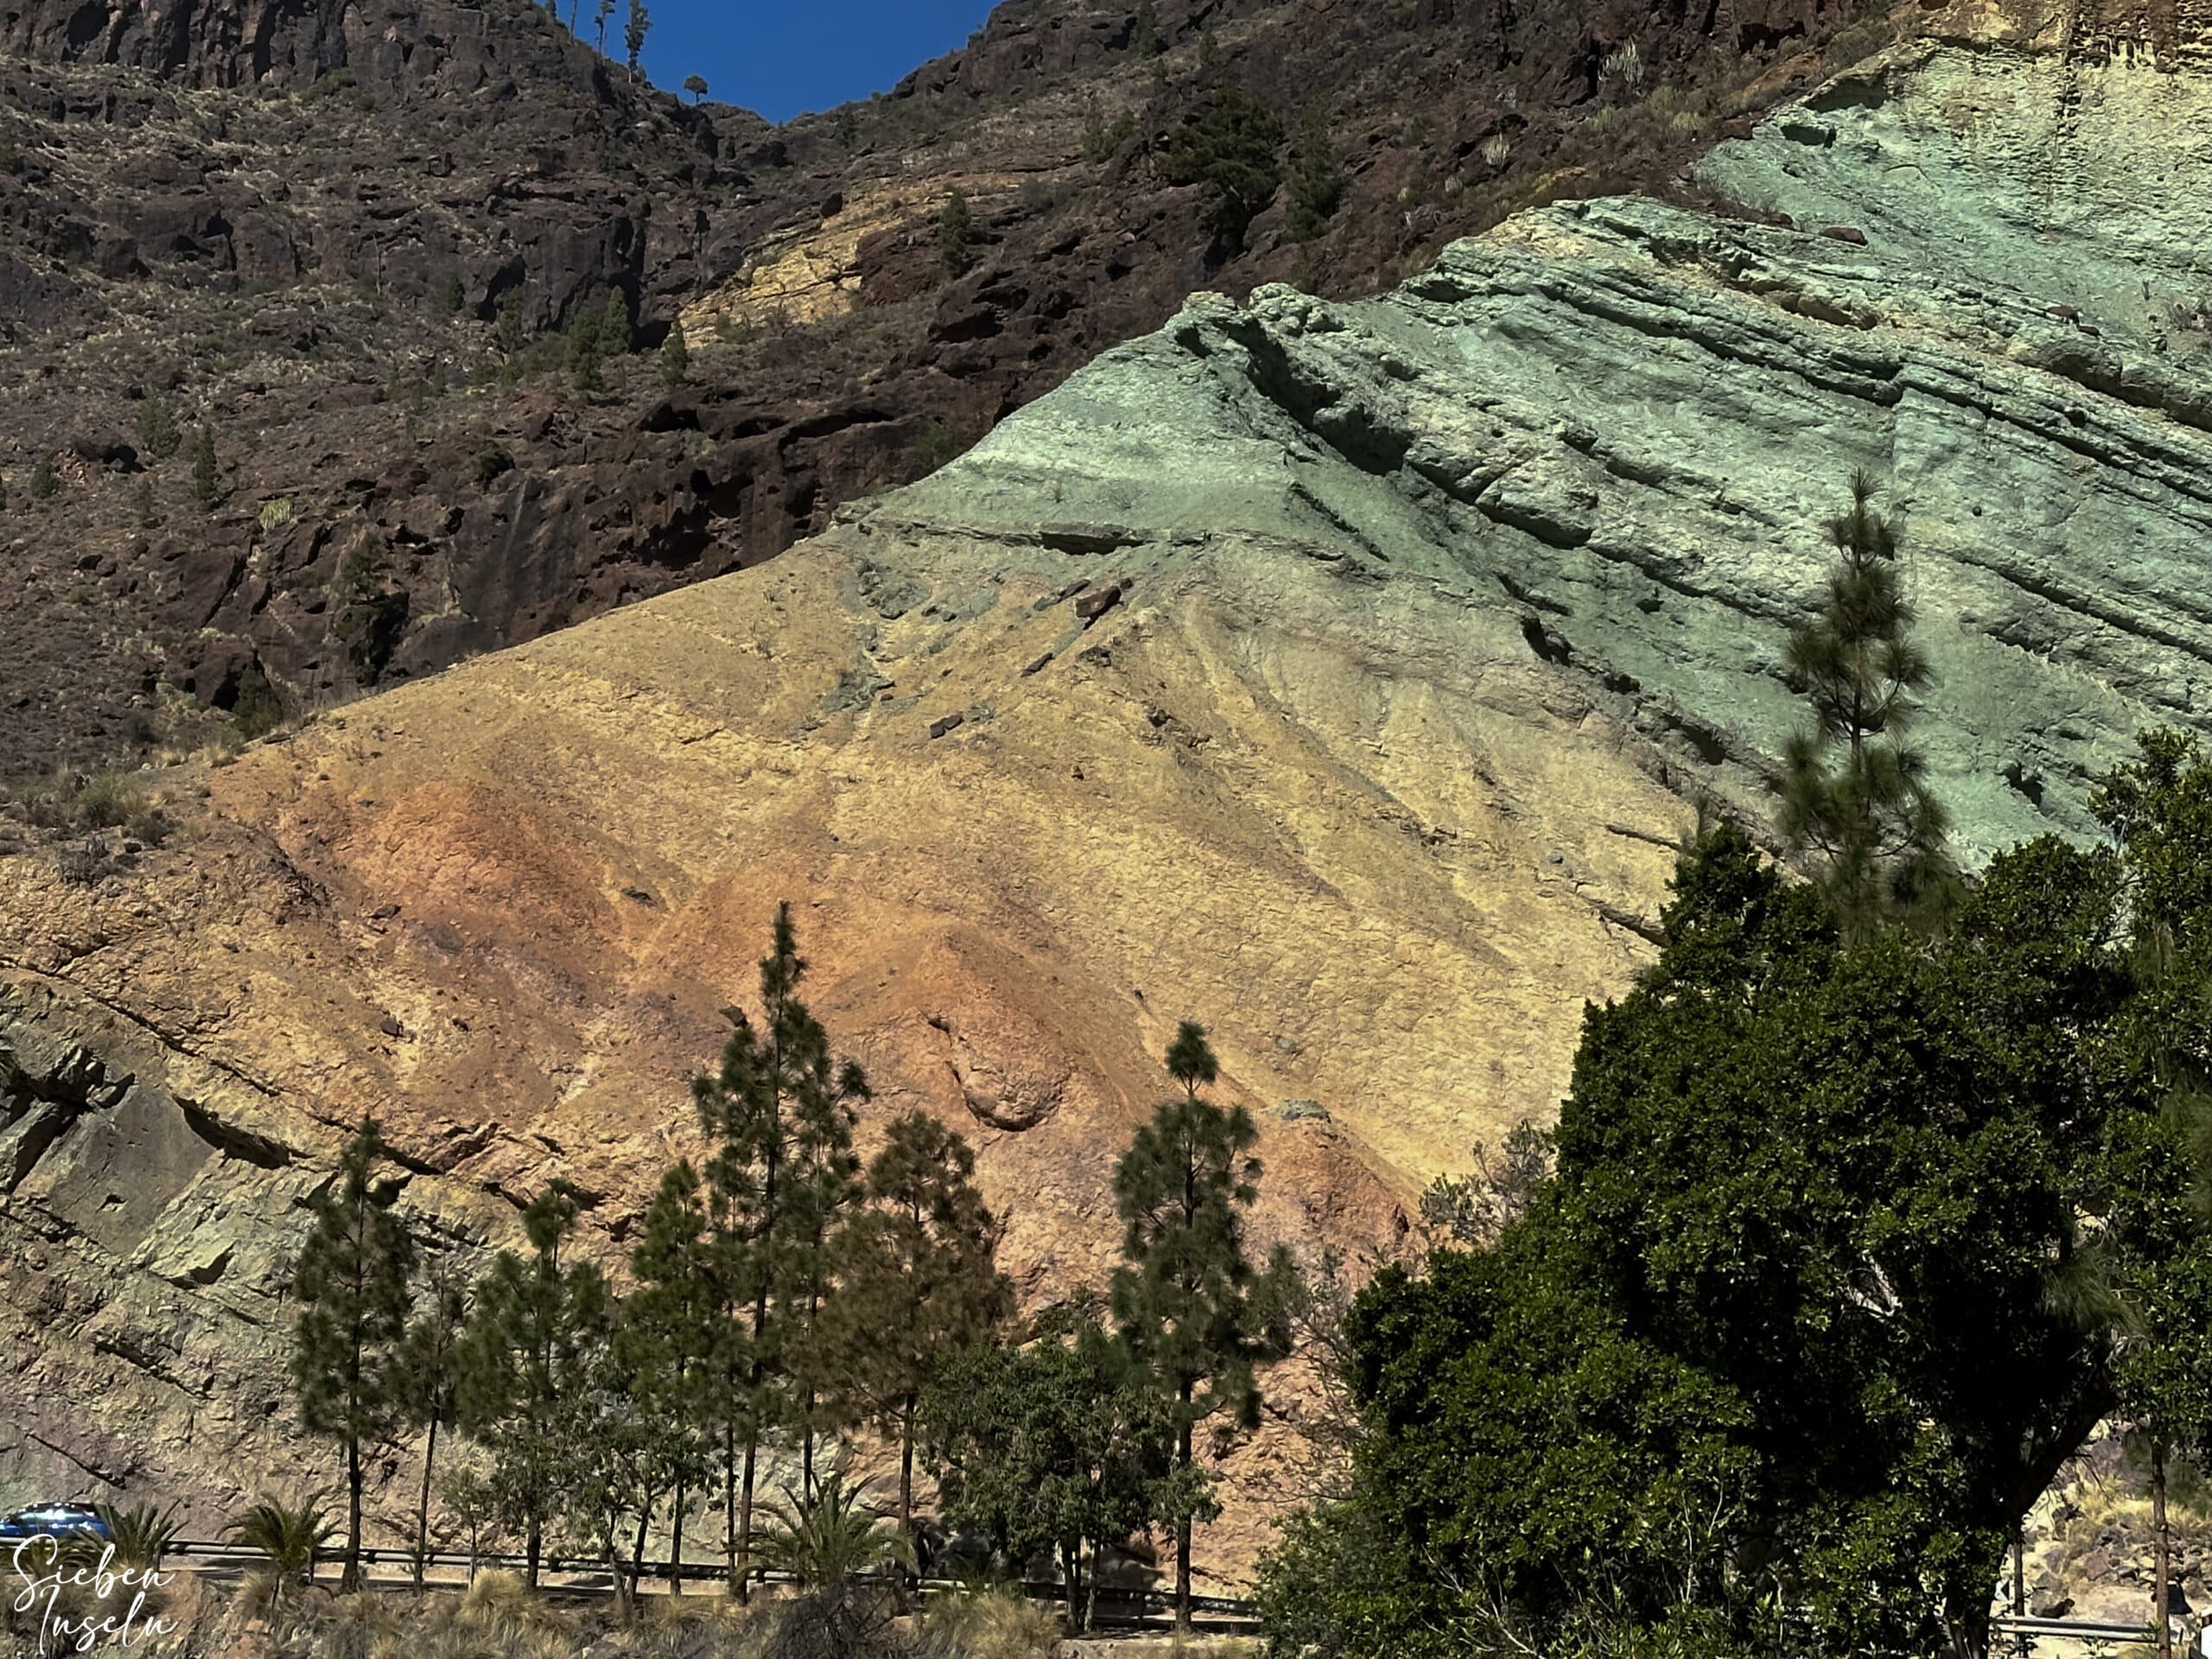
{"x": 743, "y": 1568}
{"x": 907, "y": 1472}
{"x": 423, "y": 1508}
{"x": 1183, "y": 1527}
{"x": 2019, "y": 1576}
{"x": 2165, "y": 1554}
{"x": 729, "y": 1502}
{"x": 351, "y": 1578}
{"x": 624, "y": 1613}
{"x": 638, "y": 1554}
{"x": 532, "y": 1550}
{"x": 676, "y": 1547}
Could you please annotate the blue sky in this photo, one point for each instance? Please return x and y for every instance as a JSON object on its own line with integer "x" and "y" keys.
{"x": 779, "y": 57}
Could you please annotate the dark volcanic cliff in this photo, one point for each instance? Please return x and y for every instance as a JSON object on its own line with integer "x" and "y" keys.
{"x": 300, "y": 225}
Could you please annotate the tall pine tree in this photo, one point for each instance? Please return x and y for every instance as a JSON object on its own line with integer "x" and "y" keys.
{"x": 917, "y": 1285}
{"x": 352, "y": 1283}
{"x": 1855, "y": 800}
{"x": 780, "y": 1113}
{"x": 430, "y": 1378}
{"x": 1189, "y": 1305}
{"x": 526, "y": 1357}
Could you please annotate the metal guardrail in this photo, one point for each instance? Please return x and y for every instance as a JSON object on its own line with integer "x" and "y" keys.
{"x": 1114, "y": 1603}
{"x": 2077, "y": 1629}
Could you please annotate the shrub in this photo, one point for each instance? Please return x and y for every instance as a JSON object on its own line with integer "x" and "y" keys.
{"x": 1103, "y": 139}
{"x": 44, "y": 484}
{"x": 142, "y": 501}
{"x": 491, "y": 461}
{"x": 275, "y": 515}
{"x": 996, "y": 1624}
{"x": 939, "y": 444}
{"x": 109, "y": 800}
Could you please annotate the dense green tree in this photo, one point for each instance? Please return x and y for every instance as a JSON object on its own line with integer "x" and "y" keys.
{"x": 1231, "y": 145}
{"x": 1189, "y": 1305}
{"x": 634, "y": 30}
{"x": 956, "y": 234}
{"x": 1782, "y": 1353}
{"x": 688, "y": 1301}
{"x": 526, "y": 1358}
{"x": 351, "y": 1280}
{"x": 1855, "y": 802}
{"x": 635, "y": 1438}
{"x": 779, "y": 1114}
{"x": 918, "y": 1284}
{"x": 206, "y": 476}
{"x": 1059, "y": 1444}
{"x": 428, "y": 1371}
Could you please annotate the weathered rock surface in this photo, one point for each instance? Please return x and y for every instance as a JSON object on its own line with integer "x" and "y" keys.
{"x": 300, "y": 225}
{"x": 1433, "y": 615}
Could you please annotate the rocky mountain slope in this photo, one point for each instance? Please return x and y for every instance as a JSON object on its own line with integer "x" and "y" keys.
{"x": 1338, "y": 674}
{"x": 300, "y": 225}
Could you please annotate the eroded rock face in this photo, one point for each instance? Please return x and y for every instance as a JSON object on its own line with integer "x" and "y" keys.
{"x": 1432, "y": 617}
{"x": 306, "y": 221}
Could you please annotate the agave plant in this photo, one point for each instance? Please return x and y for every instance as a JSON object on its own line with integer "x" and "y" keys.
{"x": 290, "y": 1535}
{"x": 141, "y": 1533}
{"x": 834, "y": 1539}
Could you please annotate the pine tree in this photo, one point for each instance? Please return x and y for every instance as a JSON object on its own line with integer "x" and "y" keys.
{"x": 429, "y": 1374}
{"x": 1317, "y": 186}
{"x": 45, "y": 485}
{"x": 614, "y": 326}
{"x": 583, "y": 354}
{"x": 157, "y": 427}
{"x": 601, "y": 15}
{"x": 676, "y": 357}
{"x": 956, "y": 234}
{"x": 142, "y": 501}
{"x": 1144, "y": 34}
{"x": 696, "y": 85}
{"x": 1189, "y": 1304}
{"x": 525, "y": 1357}
{"x": 206, "y": 481}
{"x": 780, "y": 1114}
{"x": 1864, "y": 817}
{"x": 917, "y": 1285}
{"x": 351, "y": 1280}
{"x": 633, "y": 33}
